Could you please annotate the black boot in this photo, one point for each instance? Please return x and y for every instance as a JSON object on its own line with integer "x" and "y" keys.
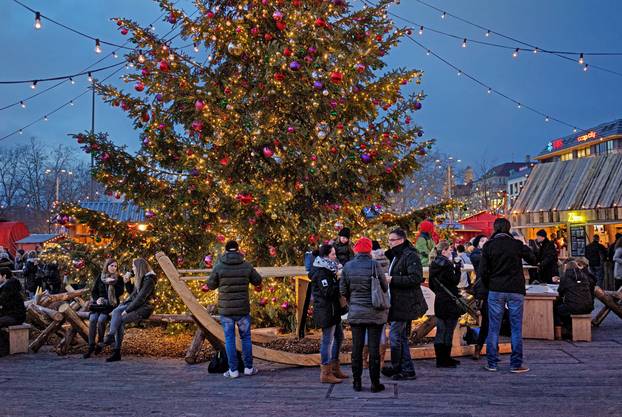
{"x": 108, "y": 340}
{"x": 449, "y": 358}
{"x": 438, "y": 352}
{"x": 116, "y": 356}
{"x": 89, "y": 352}
{"x": 377, "y": 387}
{"x": 98, "y": 348}
{"x": 357, "y": 385}
{"x": 442, "y": 357}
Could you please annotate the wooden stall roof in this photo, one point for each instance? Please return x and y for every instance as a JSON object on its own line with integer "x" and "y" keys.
{"x": 579, "y": 184}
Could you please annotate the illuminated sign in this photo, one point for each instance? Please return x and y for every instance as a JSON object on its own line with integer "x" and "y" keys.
{"x": 587, "y": 136}
{"x": 576, "y": 218}
{"x": 558, "y": 143}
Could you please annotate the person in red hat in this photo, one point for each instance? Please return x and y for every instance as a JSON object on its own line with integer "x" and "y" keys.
{"x": 425, "y": 241}
{"x": 356, "y": 286}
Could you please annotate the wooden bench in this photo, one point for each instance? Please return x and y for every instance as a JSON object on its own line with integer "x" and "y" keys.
{"x": 581, "y": 327}
{"x": 18, "y": 338}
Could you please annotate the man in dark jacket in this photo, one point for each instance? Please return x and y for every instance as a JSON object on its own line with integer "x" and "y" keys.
{"x": 596, "y": 253}
{"x": 547, "y": 258}
{"x": 342, "y": 246}
{"x": 231, "y": 277}
{"x": 501, "y": 271}
{"x": 407, "y": 302}
{"x": 576, "y": 294}
{"x": 12, "y": 310}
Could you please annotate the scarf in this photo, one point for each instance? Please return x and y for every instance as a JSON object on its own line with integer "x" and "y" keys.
{"x": 112, "y": 296}
{"x": 326, "y": 263}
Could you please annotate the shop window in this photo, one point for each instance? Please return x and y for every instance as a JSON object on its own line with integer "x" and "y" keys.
{"x": 582, "y": 153}
{"x": 566, "y": 156}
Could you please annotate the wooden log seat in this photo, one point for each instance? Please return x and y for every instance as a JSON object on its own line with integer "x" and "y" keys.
{"x": 581, "y": 327}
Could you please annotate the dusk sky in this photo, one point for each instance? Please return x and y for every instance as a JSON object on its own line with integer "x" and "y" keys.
{"x": 467, "y": 122}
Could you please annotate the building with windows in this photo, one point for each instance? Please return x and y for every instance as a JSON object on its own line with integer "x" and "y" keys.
{"x": 517, "y": 180}
{"x": 603, "y": 139}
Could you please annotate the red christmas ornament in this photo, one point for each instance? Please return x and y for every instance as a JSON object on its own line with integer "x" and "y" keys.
{"x": 272, "y": 251}
{"x": 205, "y": 288}
{"x": 117, "y": 195}
{"x": 281, "y": 25}
{"x": 164, "y": 65}
{"x": 285, "y": 305}
{"x": 333, "y": 150}
{"x": 336, "y": 77}
{"x": 210, "y": 14}
{"x": 244, "y": 199}
{"x": 319, "y": 22}
{"x": 105, "y": 156}
{"x": 359, "y": 68}
{"x": 287, "y": 52}
{"x": 139, "y": 86}
{"x": 279, "y": 76}
{"x": 124, "y": 31}
{"x": 221, "y": 238}
{"x": 268, "y": 37}
{"x": 267, "y": 152}
{"x": 224, "y": 161}
{"x": 263, "y": 301}
{"x": 145, "y": 117}
{"x": 197, "y": 125}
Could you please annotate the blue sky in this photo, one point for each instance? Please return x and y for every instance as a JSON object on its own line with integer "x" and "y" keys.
{"x": 467, "y": 123}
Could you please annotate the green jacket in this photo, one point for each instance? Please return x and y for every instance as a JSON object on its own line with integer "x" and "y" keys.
{"x": 231, "y": 277}
{"x": 424, "y": 246}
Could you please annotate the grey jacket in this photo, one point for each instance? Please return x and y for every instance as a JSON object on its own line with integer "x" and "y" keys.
{"x": 231, "y": 276}
{"x": 138, "y": 301}
{"x": 355, "y": 285}
{"x": 617, "y": 263}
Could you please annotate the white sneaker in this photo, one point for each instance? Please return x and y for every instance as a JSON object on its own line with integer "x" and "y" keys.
{"x": 231, "y": 374}
{"x": 250, "y": 371}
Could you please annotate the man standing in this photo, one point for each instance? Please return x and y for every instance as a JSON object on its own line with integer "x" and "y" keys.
{"x": 547, "y": 258}
{"x": 501, "y": 271}
{"x": 231, "y": 276}
{"x": 342, "y": 246}
{"x": 407, "y": 303}
{"x": 596, "y": 253}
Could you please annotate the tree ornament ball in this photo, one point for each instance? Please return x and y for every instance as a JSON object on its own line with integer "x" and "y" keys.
{"x": 208, "y": 260}
{"x": 417, "y": 105}
{"x": 321, "y": 134}
{"x": 234, "y": 49}
{"x": 149, "y": 214}
{"x": 272, "y": 251}
{"x": 294, "y": 65}
{"x": 366, "y": 158}
{"x": 336, "y": 77}
{"x": 267, "y": 152}
{"x": 164, "y": 67}
{"x": 325, "y": 93}
{"x": 139, "y": 86}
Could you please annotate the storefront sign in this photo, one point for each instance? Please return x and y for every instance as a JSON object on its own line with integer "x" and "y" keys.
{"x": 576, "y": 218}
{"x": 577, "y": 240}
{"x": 587, "y": 136}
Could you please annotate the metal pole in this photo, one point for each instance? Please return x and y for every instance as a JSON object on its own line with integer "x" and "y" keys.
{"x": 57, "y": 187}
{"x": 91, "y": 185}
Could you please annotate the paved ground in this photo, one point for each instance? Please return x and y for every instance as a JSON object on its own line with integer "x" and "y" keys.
{"x": 567, "y": 379}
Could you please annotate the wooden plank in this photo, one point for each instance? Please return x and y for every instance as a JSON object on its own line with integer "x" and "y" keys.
{"x": 301, "y": 292}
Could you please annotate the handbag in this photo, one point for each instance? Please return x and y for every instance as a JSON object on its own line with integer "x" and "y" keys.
{"x": 462, "y": 305}
{"x": 379, "y": 297}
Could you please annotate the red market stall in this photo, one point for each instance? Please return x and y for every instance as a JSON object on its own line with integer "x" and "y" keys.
{"x": 479, "y": 224}
{"x": 11, "y": 232}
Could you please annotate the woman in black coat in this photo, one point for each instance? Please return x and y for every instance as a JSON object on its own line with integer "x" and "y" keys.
{"x": 445, "y": 273}
{"x": 576, "y": 294}
{"x": 12, "y": 310}
{"x": 481, "y": 295}
{"x": 105, "y": 296}
{"x": 327, "y": 312}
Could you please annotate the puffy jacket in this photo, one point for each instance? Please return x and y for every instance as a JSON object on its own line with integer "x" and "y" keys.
{"x": 443, "y": 271}
{"x": 231, "y": 277}
{"x": 501, "y": 266}
{"x": 407, "y": 301}
{"x": 355, "y": 285}
{"x": 479, "y": 289}
{"x": 139, "y": 299}
{"x": 576, "y": 289}
{"x": 379, "y": 256}
{"x": 325, "y": 289}
{"x": 547, "y": 261}
{"x": 12, "y": 301}
{"x": 343, "y": 251}
{"x": 595, "y": 253}
{"x": 424, "y": 246}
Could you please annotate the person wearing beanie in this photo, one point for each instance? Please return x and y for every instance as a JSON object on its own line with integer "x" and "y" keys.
{"x": 231, "y": 276}
{"x": 356, "y": 286}
{"x": 425, "y": 243}
{"x": 546, "y": 253}
{"x": 405, "y": 276}
{"x": 342, "y": 246}
{"x": 327, "y": 313}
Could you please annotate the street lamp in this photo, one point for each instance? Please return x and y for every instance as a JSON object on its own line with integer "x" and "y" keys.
{"x": 57, "y": 180}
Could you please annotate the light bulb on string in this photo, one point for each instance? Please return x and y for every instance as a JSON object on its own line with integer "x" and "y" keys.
{"x": 195, "y": 47}
{"x": 581, "y": 60}
{"x": 585, "y": 68}
{"x": 574, "y": 130}
{"x": 546, "y": 119}
{"x": 444, "y": 15}
{"x": 487, "y": 33}
{"x": 71, "y": 102}
{"x": 464, "y": 43}
{"x": 45, "y": 118}
{"x": 71, "y": 80}
{"x": 98, "y": 48}
{"x": 489, "y": 90}
{"x": 33, "y": 85}
{"x": 37, "y": 20}
{"x": 90, "y": 77}
{"x": 515, "y": 53}
{"x": 535, "y": 50}
{"x": 141, "y": 57}
{"x": 459, "y": 72}
{"x": 518, "y": 106}
{"x": 421, "y": 30}
{"x": 428, "y": 52}
{"x": 21, "y": 103}
{"x": 114, "y": 54}
{"x": 20, "y": 131}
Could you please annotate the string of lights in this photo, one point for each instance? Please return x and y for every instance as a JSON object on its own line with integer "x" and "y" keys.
{"x": 572, "y": 56}
{"x": 519, "y": 104}
{"x": 89, "y": 73}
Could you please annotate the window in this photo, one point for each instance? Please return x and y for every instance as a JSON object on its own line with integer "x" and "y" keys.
{"x": 582, "y": 153}
{"x": 566, "y": 156}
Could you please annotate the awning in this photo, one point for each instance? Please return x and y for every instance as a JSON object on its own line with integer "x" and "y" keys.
{"x": 38, "y": 238}
{"x": 579, "y": 184}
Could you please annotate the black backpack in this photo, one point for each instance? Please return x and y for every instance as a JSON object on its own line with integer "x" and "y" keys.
{"x": 220, "y": 364}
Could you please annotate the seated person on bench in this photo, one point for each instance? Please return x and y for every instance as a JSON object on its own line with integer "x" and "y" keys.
{"x": 576, "y": 293}
{"x": 12, "y": 310}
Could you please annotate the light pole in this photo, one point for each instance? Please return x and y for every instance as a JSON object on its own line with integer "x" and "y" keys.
{"x": 57, "y": 180}
{"x": 450, "y": 178}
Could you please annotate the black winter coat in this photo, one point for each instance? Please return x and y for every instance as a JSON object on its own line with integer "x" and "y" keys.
{"x": 596, "y": 253}
{"x": 407, "y": 301}
{"x": 479, "y": 289}
{"x": 576, "y": 290}
{"x": 343, "y": 251}
{"x": 32, "y": 279}
{"x": 231, "y": 276}
{"x": 12, "y": 301}
{"x": 501, "y": 266}
{"x": 547, "y": 261}
{"x": 355, "y": 285}
{"x": 325, "y": 287}
{"x": 139, "y": 300}
{"x": 447, "y": 273}
{"x": 100, "y": 290}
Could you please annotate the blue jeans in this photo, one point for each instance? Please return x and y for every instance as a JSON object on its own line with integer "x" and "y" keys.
{"x": 117, "y": 325}
{"x": 496, "y": 306}
{"x": 244, "y": 328}
{"x": 332, "y": 337}
{"x": 599, "y": 273}
{"x": 97, "y": 327}
{"x": 400, "y": 351}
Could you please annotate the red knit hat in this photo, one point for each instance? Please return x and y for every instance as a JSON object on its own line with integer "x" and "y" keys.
{"x": 426, "y": 226}
{"x": 363, "y": 245}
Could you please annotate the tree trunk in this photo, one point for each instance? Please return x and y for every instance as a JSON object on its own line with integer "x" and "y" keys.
{"x": 40, "y": 340}
{"x": 195, "y": 347}
{"x": 76, "y": 322}
{"x": 63, "y": 346}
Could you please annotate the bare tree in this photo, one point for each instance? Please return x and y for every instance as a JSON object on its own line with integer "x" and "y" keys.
{"x": 10, "y": 177}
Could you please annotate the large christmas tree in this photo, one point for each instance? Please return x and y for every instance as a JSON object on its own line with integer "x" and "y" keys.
{"x": 282, "y": 124}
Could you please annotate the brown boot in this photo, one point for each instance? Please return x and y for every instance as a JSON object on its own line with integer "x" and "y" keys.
{"x": 365, "y": 357}
{"x": 383, "y": 352}
{"x": 558, "y": 332}
{"x": 337, "y": 371}
{"x": 326, "y": 375}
